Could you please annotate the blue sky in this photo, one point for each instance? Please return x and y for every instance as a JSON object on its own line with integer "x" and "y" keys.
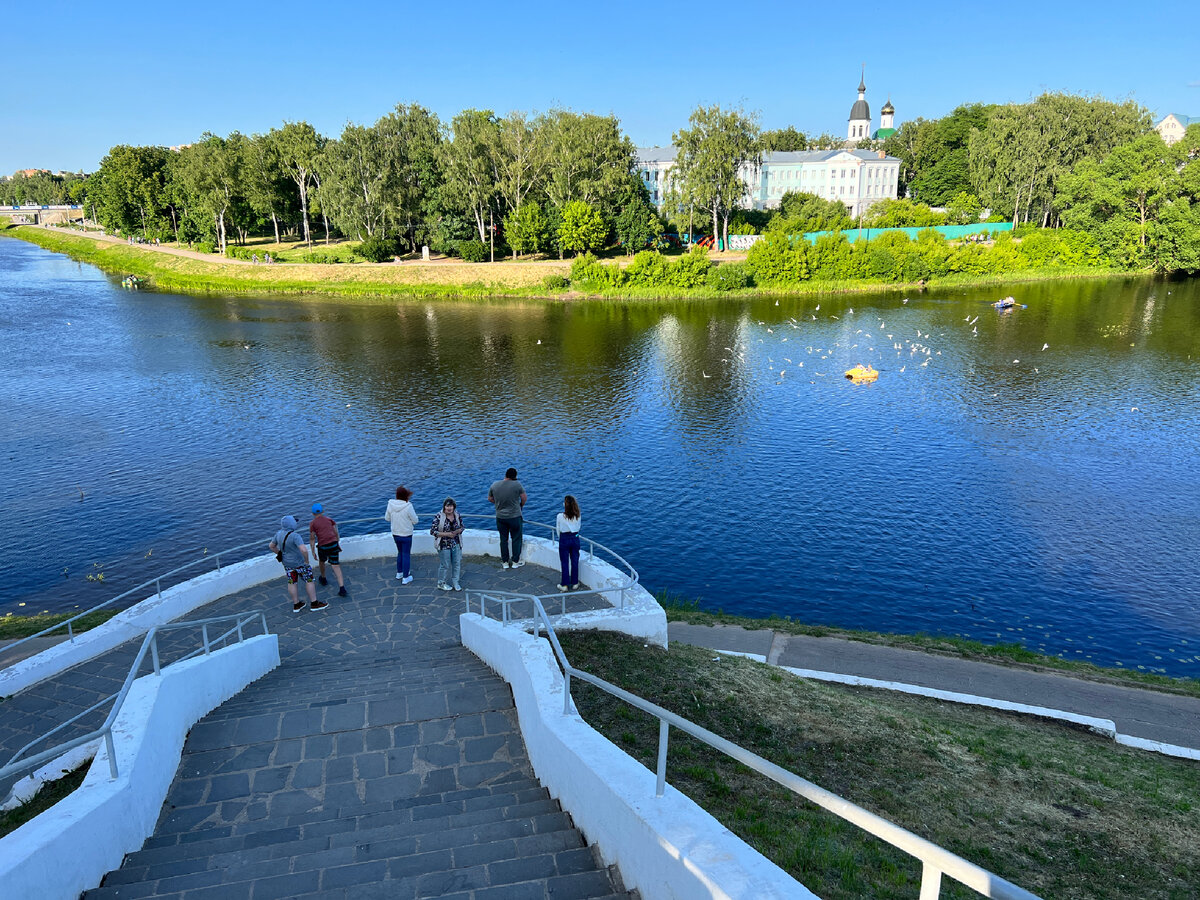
{"x": 163, "y": 73}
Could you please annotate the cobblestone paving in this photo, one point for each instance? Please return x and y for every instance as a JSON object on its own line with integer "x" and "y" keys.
{"x": 381, "y": 759}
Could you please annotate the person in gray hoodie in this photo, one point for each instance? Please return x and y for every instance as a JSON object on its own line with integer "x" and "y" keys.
{"x": 291, "y": 550}
{"x": 403, "y": 517}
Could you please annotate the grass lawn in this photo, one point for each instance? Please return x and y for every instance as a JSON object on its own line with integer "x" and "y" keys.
{"x": 1057, "y": 810}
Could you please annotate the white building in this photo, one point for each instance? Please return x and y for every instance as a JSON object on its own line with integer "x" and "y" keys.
{"x": 1172, "y": 126}
{"x": 858, "y": 178}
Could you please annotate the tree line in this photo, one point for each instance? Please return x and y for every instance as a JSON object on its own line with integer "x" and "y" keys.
{"x": 566, "y": 182}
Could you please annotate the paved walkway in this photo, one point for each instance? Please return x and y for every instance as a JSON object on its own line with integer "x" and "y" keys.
{"x": 381, "y": 759}
{"x": 1146, "y": 714}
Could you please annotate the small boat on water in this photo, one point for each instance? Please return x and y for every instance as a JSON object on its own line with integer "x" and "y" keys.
{"x": 862, "y": 374}
{"x": 1008, "y": 303}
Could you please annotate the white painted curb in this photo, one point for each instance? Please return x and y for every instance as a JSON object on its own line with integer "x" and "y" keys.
{"x": 1106, "y": 727}
{"x": 665, "y": 847}
{"x": 69, "y": 848}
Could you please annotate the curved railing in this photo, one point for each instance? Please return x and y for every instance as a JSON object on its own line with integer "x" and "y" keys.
{"x": 935, "y": 861}
{"x": 215, "y": 559}
{"x": 17, "y": 766}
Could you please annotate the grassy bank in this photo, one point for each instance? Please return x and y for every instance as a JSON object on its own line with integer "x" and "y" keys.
{"x": 682, "y": 610}
{"x": 443, "y": 279}
{"x": 1057, "y": 810}
{"x": 15, "y": 627}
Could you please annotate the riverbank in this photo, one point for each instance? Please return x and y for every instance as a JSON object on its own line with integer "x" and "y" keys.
{"x": 1058, "y": 810}
{"x": 186, "y": 272}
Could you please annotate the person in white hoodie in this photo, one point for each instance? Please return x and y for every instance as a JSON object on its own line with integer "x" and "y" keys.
{"x": 403, "y": 517}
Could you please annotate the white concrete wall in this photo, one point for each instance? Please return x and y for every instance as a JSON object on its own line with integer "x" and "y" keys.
{"x": 666, "y": 847}
{"x": 70, "y": 847}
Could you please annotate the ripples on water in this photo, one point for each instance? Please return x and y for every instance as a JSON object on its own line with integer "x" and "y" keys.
{"x": 999, "y": 492}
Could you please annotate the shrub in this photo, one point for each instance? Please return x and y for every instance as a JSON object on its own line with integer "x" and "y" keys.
{"x": 691, "y": 269}
{"x": 472, "y": 251}
{"x": 778, "y": 259}
{"x": 648, "y": 269}
{"x": 555, "y": 282}
{"x": 377, "y": 249}
{"x": 205, "y": 247}
{"x": 581, "y": 227}
{"x": 589, "y": 271}
{"x": 729, "y": 277}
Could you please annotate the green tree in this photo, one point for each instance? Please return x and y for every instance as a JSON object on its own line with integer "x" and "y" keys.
{"x": 784, "y": 139}
{"x": 471, "y": 166}
{"x": 1122, "y": 198}
{"x": 212, "y": 173}
{"x": 801, "y": 212}
{"x": 131, "y": 189}
{"x": 526, "y": 229}
{"x": 713, "y": 154}
{"x": 582, "y": 228}
{"x": 637, "y": 224}
{"x": 963, "y": 209}
{"x": 267, "y": 183}
{"x": 300, "y": 147}
{"x": 1019, "y": 160}
{"x": 413, "y": 136}
{"x": 587, "y": 158}
{"x": 355, "y": 189}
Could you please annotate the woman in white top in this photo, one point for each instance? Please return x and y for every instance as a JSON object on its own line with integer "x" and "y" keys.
{"x": 568, "y": 543}
{"x": 403, "y": 517}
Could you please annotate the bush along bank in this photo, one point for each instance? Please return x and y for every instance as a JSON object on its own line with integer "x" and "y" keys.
{"x": 780, "y": 264}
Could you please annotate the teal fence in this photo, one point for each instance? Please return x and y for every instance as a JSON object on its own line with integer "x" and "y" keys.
{"x": 950, "y": 232}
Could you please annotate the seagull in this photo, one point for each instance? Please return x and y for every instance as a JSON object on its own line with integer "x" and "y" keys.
{"x": 1045, "y": 346}
{"x": 539, "y": 340}
{"x": 975, "y": 330}
{"x": 1015, "y": 361}
{"x": 818, "y": 307}
{"x": 905, "y": 300}
{"x": 705, "y": 374}
{"x": 850, "y": 311}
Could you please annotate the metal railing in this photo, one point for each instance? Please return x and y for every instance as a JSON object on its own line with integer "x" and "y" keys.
{"x": 935, "y": 861}
{"x": 215, "y": 558}
{"x": 17, "y": 766}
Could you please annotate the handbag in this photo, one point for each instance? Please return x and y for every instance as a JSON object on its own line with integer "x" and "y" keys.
{"x": 279, "y": 552}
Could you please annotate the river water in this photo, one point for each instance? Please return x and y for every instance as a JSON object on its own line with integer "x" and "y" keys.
{"x": 986, "y": 486}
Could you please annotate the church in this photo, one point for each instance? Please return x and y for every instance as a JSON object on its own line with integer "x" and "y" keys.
{"x": 856, "y": 177}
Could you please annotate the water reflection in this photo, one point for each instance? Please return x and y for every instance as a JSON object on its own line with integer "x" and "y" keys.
{"x": 984, "y": 486}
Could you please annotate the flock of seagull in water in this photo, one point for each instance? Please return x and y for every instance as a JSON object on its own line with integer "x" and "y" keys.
{"x": 865, "y": 340}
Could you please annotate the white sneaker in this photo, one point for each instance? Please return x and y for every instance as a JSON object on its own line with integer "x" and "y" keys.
{"x": 504, "y": 565}
{"x": 458, "y": 587}
{"x": 518, "y": 564}
{"x": 563, "y": 587}
{"x": 444, "y": 587}
{"x": 399, "y": 576}
{"x": 406, "y": 580}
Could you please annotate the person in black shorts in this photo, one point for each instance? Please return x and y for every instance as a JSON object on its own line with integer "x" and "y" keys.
{"x": 323, "y": 539}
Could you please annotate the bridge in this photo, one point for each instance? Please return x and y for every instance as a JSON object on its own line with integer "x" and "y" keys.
{"x": 34, "y": 214}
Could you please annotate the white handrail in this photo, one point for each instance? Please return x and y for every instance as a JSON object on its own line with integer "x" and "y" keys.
{"x": 936, "y": 861}
{"x": 157, "y": 580}
{"x": 149, "y": 645}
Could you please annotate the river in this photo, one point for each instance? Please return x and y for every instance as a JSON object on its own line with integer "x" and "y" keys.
{"x": 1020, "y": 476}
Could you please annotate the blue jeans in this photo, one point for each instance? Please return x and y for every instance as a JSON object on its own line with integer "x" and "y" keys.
{"x": 450, "y": 565}
{"x": 507, "y": 528}
{"x": 568, "y": 555}
{"x": 403, "y": 554}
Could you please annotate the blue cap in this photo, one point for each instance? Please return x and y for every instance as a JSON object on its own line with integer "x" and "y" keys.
{"x": 316, "y": 508}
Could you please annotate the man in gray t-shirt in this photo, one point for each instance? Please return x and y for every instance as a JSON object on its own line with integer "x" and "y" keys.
{"x": 508, "y": 496}
{"x": 294, "y": 555}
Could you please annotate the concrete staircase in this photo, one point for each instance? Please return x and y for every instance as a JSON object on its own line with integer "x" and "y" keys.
{"x": 400, "y": 775}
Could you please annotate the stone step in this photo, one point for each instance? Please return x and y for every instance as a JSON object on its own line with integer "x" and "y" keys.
{"x": 541, "y": 855}
{"x": 341, "y": 829}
